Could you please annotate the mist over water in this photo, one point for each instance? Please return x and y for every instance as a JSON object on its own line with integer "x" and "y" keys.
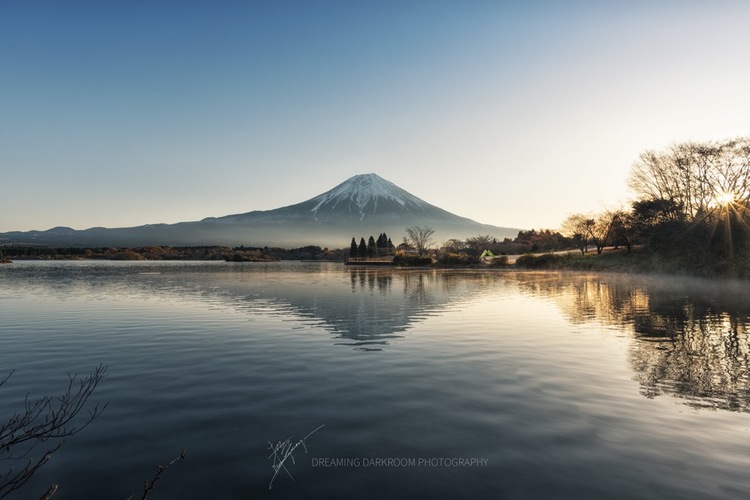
{"x": 567, "y": 384}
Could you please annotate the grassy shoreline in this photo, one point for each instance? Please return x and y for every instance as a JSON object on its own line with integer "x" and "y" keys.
{"x": 639, "y": 262}
{"x": 678, "y": 262}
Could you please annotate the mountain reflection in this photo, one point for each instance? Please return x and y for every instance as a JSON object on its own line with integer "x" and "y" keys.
{"x": 690, "y": 335}
{"x": 364, "y": 308}
{"x": 379, "y": 305}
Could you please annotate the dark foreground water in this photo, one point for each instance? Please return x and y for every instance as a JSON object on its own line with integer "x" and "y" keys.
{"x": 414, "y": 384}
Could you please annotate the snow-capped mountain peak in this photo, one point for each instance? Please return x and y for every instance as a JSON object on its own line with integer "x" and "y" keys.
{"x": 360, "y": 206}
{"x": 362, "y": 194}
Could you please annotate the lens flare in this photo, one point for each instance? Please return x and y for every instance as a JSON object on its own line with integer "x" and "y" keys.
{"x": 725, "y": 198}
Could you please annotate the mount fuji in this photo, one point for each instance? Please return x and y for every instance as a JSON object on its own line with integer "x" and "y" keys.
{"x": 361, "y": 206}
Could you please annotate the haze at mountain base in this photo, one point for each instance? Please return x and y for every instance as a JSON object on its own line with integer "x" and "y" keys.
{"x": 361, "y": 206}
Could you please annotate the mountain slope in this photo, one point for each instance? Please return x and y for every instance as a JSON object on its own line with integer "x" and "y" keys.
{"x": 363, "y": 205}
{"x": 363, "y": 198}
{"x": 360, "y": 196}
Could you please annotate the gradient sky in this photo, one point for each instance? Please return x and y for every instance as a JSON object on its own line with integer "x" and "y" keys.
{"x": 122, "y": 113}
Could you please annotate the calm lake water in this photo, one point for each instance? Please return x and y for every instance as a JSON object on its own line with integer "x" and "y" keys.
{"x": 429, "y": 384}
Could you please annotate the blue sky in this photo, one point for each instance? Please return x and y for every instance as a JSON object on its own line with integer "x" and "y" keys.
{"x": 511, "y": 113}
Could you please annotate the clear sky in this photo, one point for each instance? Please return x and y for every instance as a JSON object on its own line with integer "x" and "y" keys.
{"x": 122, "y": 113}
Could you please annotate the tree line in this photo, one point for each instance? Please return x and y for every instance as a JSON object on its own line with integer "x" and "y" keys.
{"x": 240, "y": 253}
{"x": 691, "y": 210}
{"x": 383, "y": 246}
{"x": 419, "y": 248}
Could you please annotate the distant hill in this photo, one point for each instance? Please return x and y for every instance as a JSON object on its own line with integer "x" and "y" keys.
{"x": 363, "y": 205}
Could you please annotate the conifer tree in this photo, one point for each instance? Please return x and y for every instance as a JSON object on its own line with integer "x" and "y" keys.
{"x": 362, "y": 248}
{"x": 353, "y": 251}
{"x": 382, "y": 241}
{"x": 372, "y": 250}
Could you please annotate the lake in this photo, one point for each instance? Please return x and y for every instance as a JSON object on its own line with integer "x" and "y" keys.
{"x": 379, "y": 382}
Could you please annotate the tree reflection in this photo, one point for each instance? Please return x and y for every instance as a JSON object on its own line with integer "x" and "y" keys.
{"x": 690, "y": 336}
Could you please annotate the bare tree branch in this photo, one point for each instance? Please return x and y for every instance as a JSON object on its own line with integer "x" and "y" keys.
{"x": 41, "y": 420}
{"x": 420, "y": 237}
{"x": 2, "y": 381}
{"x": 150, "y": 484}
{"x": 49, "y": 493}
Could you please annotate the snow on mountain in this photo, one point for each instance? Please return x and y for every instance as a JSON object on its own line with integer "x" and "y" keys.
{"x": 360, "y": 206}
{"x": 362, "y": 193}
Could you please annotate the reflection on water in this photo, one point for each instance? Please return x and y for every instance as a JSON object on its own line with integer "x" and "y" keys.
{"x": 363, "y": 307}
{"x": 539, "y": 373}
{"x": 690, "y": 335}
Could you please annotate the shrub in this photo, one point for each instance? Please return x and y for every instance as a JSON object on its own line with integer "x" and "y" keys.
{"x": 500, "y": 261}
{"x": 456, "y": 259}
{"x": 544, "y": 261}
{"x": 411, "y": 260}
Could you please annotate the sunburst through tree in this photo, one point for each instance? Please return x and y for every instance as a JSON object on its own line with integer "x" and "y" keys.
{"x": 706, "y": 188}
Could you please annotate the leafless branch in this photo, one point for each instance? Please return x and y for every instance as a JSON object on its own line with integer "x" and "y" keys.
{"x": 420, "y": 237}
{"x": 41, "y": 420}
{"x": 150, "y": 484}
{"x": 3, "y": 380}
{"x": 49, "y": 493}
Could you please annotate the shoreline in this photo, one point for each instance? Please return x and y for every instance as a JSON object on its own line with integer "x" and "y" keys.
{"x": 639, "y": 261}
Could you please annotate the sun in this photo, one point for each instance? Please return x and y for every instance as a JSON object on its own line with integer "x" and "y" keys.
{"x": 725, "y": 198}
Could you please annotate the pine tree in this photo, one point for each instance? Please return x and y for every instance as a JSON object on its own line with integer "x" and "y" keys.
{"x": 353, "y": 251}
{"x": 382, "y": 241}
{"x": 372, "y": 250}
{"x": 362, "y": 252}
